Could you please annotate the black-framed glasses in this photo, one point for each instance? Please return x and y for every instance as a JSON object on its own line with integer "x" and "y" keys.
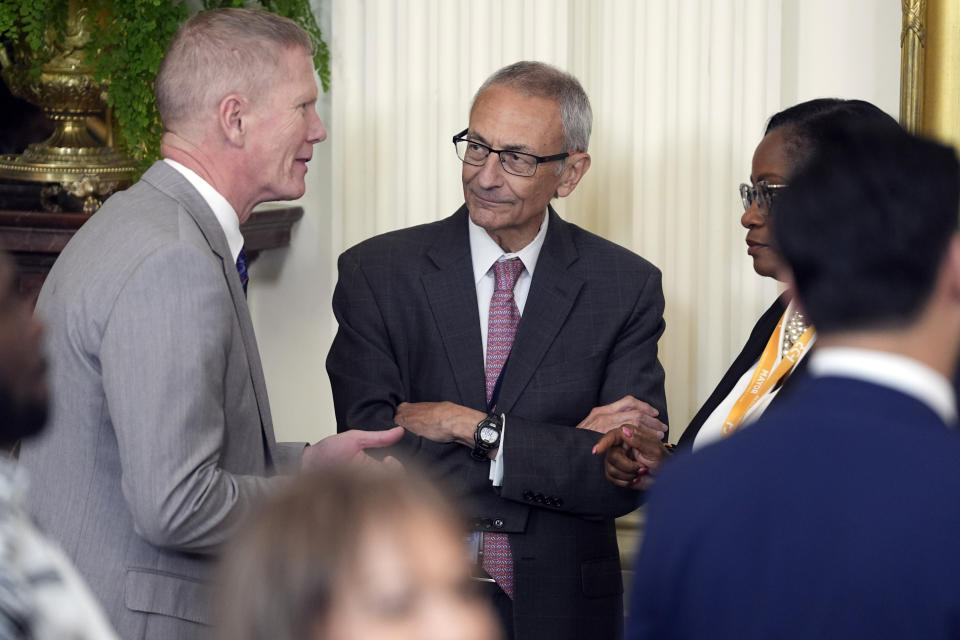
{"x": 763, "y": 193}
{"x": 513, "y": 162}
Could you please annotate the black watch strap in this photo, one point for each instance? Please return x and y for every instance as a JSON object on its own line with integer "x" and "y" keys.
{"x": 483, "y": 444}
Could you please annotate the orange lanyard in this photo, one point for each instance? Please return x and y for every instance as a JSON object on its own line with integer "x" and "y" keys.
{"x": 763, "y": 378}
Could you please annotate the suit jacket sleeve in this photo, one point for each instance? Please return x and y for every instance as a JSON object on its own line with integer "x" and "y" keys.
{"x": 364, "y": 375}
{"x": 553, "y": 460}
{"x": 556, "y": 460}
{"x": 287, "y": 457}
{"x": 163, "y": 361}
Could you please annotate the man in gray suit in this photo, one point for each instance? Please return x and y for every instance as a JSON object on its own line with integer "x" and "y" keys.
{"x": 161, "y": 435}
{"x": 492, "y": 335}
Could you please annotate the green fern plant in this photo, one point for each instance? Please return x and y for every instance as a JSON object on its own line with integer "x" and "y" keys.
{"x": 127, "y": 42}
{"x": 24, "y": 26}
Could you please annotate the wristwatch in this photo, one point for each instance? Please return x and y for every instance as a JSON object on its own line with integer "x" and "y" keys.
{"x": 487, "y": 436}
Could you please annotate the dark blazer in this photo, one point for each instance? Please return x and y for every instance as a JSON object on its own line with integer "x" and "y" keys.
{"x": 835, "y": 517}
{"x": 410, "y": 331}
{"x": 748, "y": 356}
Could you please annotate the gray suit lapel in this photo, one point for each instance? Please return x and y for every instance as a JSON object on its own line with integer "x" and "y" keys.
{"x": 169, "y": 181}
{"x": 553, "y": 292}
{"x": 452, "y": 294}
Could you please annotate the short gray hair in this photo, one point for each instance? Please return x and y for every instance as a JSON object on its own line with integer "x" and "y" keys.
{"x": 221, "y": 51}
{"x": 545, "y": 81}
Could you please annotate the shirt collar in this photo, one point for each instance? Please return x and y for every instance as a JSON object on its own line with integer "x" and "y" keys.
{"x": 898, "y": 372}
{"x": 226, "y": 216}
{"x": 485, "y": 251}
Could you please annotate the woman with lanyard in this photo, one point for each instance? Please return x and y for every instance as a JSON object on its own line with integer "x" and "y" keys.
{"x": 775, "y": 350}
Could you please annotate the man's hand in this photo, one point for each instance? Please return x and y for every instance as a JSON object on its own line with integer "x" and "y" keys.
{"x": 625, "y": 411}
{"x": 631, "y": 458}
{"x": 348, "y": 447}
{"x": 439, "y": 421}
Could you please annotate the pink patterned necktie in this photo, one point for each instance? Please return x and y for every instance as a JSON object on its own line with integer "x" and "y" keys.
{"x": 501, "y": 328}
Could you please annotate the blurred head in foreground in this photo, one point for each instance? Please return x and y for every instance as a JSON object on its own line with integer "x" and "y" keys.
{"x": 347, "y": 553}
{"x": 869, "y": 230}
{"x": 23, "y": 367}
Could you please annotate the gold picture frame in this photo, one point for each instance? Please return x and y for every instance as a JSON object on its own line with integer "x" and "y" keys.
{"x": 930, "y": 69}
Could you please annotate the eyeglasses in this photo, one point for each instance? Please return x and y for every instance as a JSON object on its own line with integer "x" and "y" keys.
{"x": 513, "y": 162}
{"x": 763, "y": 193}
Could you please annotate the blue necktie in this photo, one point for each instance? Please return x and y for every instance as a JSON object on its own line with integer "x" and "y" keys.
{"x": 242, "y": 269}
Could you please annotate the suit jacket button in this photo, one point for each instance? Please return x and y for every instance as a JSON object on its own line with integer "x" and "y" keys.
{"x": 558, "y": 502}
{"x": 498, "y": 523}
{"x": 527, "y": 496}
{"x": 538, "y": 498}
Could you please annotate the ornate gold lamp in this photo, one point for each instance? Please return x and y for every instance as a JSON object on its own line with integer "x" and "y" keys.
{"x": 71, "y": 160}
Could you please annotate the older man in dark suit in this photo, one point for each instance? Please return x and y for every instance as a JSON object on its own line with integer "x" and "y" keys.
{"x": 491, "y": 335}
{"x": 835, "y": 516}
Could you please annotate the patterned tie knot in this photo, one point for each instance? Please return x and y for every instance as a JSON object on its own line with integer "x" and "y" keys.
{"x": 506, "y": 272}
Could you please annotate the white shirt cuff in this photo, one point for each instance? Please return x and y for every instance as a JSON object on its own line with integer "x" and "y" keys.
{"x": 496, "y": 465}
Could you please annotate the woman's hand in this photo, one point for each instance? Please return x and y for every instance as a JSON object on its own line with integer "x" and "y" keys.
{"x": 631, "y": 457}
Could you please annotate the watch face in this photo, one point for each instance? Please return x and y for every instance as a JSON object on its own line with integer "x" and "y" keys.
{"x": 489, "y": 435}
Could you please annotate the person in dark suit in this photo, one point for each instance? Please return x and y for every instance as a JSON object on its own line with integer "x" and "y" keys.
{"x": 161, "y": 436}
{"x": 492, "y": 335}
{"x": 834, "y": 516}
{"x": 782, "y": 336}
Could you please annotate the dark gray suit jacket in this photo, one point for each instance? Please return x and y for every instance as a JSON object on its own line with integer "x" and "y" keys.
{"x": 161, "y": 434}
{"x": 410, "y": 331}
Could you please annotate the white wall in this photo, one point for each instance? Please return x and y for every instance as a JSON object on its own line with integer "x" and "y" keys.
{"x": 680, "y": 90}
{"x": 843, "y": 49}
{"x": 289, "y": 296}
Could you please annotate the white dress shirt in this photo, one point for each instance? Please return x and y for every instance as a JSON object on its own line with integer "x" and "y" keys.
{"x": 904, "y": 374}
{"x": 485, "y": 252}
{"x": 226, "y": 216}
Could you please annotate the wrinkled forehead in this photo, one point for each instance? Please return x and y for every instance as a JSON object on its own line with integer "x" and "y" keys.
{"x": 506, "y": 97}
{"x": 505, "y": 117}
